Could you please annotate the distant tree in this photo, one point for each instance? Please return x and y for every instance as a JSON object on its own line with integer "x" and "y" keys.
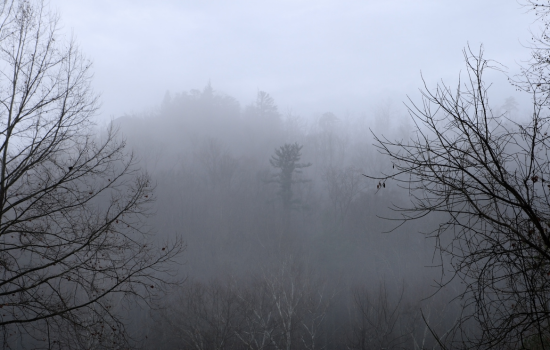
{"x": 285, "y": 308}
{"x": 266, "y": 106}
{"x": 218, "y": 164}
{"x": 201, "y": 316}
{"x": 378, "y": 321}
{"x": 73, "y": 243}
{"x": 343, "y": 187}
{"x": 286, "y": 160}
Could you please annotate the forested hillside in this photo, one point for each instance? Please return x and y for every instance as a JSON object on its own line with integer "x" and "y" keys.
{"x": 219, "y": 187}
{"x": 212, "y": 222}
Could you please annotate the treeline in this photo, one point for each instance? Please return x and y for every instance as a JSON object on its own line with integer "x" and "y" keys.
{"x": 291, "y": 307}
{"x": 266, "y": 269}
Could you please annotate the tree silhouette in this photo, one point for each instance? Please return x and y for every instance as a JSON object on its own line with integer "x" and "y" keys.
{"x": 286, "y": 160}
{"x": 489, "y": 176}
{"x": 73, "y": 243}
{"x": 265, "y": 105}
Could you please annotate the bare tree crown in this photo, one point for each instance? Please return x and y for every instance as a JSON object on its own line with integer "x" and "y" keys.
{"x": 489, "y": 176}
{"x": 72, "y": 203}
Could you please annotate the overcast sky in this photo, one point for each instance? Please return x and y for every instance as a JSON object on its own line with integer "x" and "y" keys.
{"x": 311, "y": 55}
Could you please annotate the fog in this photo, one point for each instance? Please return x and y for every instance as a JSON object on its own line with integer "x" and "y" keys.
{"x": 311, "y": 56}
{"x": 212, "y": 98}
{"x": 216, "y": 187}
{"x": 220, "y": 188}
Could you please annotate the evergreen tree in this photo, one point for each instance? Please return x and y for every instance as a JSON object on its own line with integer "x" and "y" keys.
{"x": 286, "y": 159}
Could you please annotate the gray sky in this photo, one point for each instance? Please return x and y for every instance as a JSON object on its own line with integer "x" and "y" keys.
{"x": 310, "y": 55}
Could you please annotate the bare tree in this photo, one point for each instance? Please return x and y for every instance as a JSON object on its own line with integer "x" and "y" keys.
{"x": 488, "y": 176}
{"x": 329, "y": 141}
{"x": 260, "y": 325}
{"x": 219, "y": 166}
{"x": 343, "y": 186}
{"x": 284, "y": 309}
{"x": 72, "y": 239}
{"x": 377, "y": 320}
{"x": 265, "y": 105}
{"x": 535, "y": 76}
{"x": 203, "y": 316}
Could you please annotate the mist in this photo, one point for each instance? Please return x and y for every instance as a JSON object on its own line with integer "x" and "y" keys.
{"x": 311, "y": 56}
{"x": 257, "y": 126}
{"x": 209, "y": 158}
{"x": 213, "y": 103}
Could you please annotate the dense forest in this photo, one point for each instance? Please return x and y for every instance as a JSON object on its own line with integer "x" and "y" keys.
{"x": 269, "y": 205}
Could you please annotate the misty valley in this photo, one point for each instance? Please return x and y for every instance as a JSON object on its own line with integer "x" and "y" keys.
{"x": 284, "y": 241}
{"x": 206, "y": 222}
